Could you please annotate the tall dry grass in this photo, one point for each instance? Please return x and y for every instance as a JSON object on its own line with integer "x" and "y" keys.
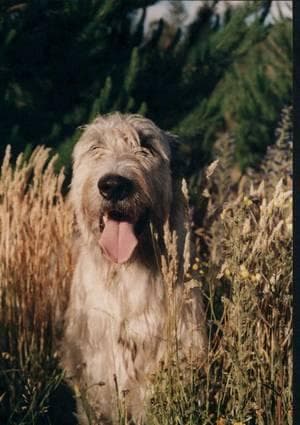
{"x": 35, "y": 269}
{"x": 247, "y": 279}
{"x": 254, "y": 351}
{"x": 247, "y": 378}
{"x": 243, "y": 267}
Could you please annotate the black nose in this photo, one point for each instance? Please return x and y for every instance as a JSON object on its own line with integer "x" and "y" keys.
{"x": 114, "y": 187}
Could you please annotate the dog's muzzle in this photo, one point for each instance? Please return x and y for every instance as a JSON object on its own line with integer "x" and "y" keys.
{"x": 118, "y": 239}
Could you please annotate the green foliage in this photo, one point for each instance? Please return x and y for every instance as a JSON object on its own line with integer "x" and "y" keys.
{"x": 258, "y": 87}
{"x": 35, "y": 384}
{"x": 62, "y": 63}
{"x": 230, "y": 67}
{"x": 65, "y": 62}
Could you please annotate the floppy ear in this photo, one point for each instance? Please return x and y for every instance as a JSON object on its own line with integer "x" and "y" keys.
{"x": 177, "y": 160}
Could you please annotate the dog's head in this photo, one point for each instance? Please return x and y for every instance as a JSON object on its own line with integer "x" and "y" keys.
{"x": 121, "y": 182}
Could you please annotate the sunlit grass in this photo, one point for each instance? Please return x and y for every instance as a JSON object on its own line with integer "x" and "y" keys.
{"x": 245, "y": 276}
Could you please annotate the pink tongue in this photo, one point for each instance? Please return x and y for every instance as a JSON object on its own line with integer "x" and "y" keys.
{"x": 118, "y": 240}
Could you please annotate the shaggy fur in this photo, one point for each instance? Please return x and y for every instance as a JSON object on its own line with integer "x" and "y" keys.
{"x": 116, "y": 321}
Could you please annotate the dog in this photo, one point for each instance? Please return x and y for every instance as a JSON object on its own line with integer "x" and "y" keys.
{"x": 125, "y": 192}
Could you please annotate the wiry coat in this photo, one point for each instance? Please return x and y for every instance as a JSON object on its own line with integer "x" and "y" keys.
{"x": 116, "y": 320}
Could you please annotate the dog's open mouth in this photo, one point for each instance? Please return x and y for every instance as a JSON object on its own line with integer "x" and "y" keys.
{"x": 118, "y": 239}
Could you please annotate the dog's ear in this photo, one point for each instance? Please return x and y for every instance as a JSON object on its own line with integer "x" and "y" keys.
{"x": 177, "y": 159}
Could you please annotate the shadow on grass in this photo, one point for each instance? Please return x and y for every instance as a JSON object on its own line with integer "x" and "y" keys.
{"x": 62, "y": 407}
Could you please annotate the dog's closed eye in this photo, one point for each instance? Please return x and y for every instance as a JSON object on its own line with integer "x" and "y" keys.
{"x": 94, "y": 148}
{"x": 143, "y": 152}
{"x": 148, "y": 146}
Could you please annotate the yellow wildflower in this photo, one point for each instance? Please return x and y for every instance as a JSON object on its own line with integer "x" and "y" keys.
{"x": 258, "y": 277}
{"x": 227, "y": 273}
{"x": 244, "y": 272}
{"x": 247, "y": 201}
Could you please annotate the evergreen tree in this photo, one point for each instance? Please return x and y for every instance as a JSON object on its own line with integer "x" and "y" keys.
{"x": 64, "y": 62}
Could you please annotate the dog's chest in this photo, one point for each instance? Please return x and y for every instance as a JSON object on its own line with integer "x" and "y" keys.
{"x": 120, "y": 314}
{"x": 121, "y": 292}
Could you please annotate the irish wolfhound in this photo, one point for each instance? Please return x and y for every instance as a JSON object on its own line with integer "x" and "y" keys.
{"x": 124, "y": 191}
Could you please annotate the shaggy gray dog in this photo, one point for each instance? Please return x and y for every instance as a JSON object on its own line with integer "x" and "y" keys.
{"x": 124, "y": 192}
